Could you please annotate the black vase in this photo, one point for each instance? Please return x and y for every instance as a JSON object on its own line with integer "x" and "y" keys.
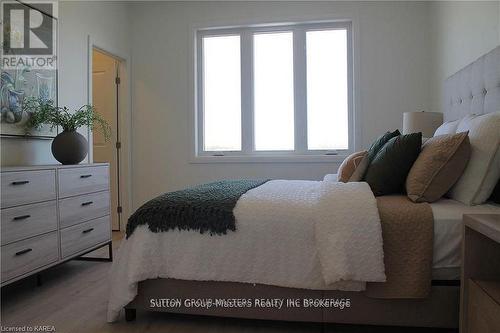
{"x": 69, "y": 147}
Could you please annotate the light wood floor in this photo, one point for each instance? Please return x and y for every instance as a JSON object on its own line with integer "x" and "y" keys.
{"x": 73, "y": 298}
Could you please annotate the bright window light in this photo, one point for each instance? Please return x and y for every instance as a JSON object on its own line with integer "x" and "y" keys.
{"x": 221, "y": 93}
{"x": 327, "y": 96}
{"x": 273, "y": 91}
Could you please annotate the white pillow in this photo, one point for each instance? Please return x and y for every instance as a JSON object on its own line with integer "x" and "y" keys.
{"x": 449, "y": 127}
{"x": 483, "y": 170}
{"x": 330, "y": 177}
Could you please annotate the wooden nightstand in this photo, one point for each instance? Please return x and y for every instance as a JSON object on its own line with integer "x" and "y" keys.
{"x": 480, "y": 291}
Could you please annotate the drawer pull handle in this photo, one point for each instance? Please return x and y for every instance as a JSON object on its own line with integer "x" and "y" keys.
{"x": 22, "y": 217}
{"x": 87, "y": 230}
{"x": 23, "y": 252}
{"x": 87, "y": 203}
{"x": 21, "y": 182}
{"x": 85, "y": 176}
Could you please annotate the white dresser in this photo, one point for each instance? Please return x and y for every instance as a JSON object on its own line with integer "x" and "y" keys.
{"x": 50, "y": 214}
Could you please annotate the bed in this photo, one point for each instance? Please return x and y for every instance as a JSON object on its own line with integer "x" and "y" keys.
{"x": 265, "y": 271}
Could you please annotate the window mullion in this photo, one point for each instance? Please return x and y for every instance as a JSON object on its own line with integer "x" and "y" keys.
{"x": 300, "y": 93}
{"x": 200, "y": 91}
{"x": 247, "y": 118}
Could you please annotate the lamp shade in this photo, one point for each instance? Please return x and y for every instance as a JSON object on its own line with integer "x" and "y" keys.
{"x": 425, "y": 122}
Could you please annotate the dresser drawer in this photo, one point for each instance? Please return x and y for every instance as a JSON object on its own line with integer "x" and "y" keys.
{"x": 27, "y": 255}
{"x": 83, "y": 236}
{"x": 24, "y": 187}
{"x": 75, "y": 181}
{"x": 83, "y": 208}
{"x": 27, "y": 221}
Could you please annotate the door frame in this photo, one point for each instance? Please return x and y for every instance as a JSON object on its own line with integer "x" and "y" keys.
{"x": 124, "y": 123}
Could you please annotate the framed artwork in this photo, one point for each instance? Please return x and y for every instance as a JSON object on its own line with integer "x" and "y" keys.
{"x": 22, "y": 79}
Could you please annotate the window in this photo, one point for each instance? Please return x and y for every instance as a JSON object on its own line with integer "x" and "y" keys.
{"x": 327, "y": 121}
{"x": 222, "y": 93}
{"x": 275, "y": 90}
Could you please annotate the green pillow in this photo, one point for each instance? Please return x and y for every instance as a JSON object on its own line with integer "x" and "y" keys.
{"x": 387, "y": 171}
{"x": 379, "y": 143}
{"x": 359, "y": 173}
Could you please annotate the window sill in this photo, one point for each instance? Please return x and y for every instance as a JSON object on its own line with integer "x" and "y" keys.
{"x": 268, "y": 159}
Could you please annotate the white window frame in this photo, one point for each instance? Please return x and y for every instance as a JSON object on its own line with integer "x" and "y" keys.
{"x": 248, "y": 153}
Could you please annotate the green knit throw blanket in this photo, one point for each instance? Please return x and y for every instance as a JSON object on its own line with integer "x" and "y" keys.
{"x": 207, "y": 207}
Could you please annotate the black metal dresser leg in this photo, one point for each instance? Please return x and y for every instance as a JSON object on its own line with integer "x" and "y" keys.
{"x": 130, "y": 314}
{"x": 110, "y": 248}
{"x": 39, "y": 280}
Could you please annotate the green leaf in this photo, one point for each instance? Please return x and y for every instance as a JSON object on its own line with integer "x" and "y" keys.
{"x": 45, "y": 112}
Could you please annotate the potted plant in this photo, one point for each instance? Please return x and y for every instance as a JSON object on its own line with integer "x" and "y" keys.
{"x": 69, "y": 146}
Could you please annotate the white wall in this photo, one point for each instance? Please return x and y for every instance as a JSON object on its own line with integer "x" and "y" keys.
{"x": 460, "y": 33}
{"x": 108, "y": 23}
{"x": 391, "y": 40}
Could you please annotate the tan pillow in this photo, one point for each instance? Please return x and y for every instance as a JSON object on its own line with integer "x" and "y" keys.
{"x": 438, "y": 167}
{"x": 348, "y": 166}
{"x": 360, "y": 171}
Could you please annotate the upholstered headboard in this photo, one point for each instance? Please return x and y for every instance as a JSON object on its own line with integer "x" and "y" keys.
{"x": 475, "y": 89}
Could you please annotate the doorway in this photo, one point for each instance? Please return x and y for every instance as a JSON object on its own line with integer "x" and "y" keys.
{"x": 105, "y": 98}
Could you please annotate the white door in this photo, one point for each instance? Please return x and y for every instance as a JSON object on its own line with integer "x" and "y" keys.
{"x": 104, "y": 99}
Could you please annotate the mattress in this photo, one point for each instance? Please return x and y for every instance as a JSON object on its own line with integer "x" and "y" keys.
{"x": 448, "y": 235}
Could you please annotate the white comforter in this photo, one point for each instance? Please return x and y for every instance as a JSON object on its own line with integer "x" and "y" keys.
{"x": 290, "y": 233}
